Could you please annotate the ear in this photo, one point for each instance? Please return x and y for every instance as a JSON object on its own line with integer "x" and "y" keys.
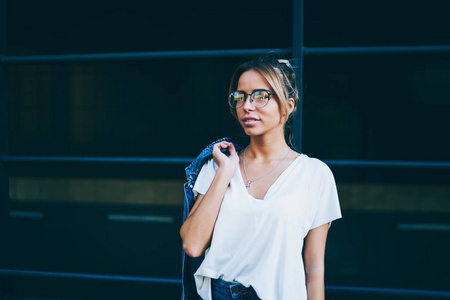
{"x": 291, "y": 106}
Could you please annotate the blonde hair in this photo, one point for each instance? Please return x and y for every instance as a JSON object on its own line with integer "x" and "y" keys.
{"x": 281, "y": 77}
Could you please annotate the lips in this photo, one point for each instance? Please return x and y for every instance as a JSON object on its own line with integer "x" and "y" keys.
{"x": 249, "y": 121}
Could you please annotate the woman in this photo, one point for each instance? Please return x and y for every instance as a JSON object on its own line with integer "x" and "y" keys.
{"x": 255, "y": 208}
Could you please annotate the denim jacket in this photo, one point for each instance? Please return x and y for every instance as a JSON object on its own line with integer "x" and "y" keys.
{"x": 190, "y": 264}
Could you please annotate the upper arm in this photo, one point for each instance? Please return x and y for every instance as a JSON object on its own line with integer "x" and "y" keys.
{"x": 196, "y": 204}
{"x": 314, "y": 253}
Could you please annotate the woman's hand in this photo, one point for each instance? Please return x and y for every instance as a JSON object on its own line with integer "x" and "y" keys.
{"x": 226, "y": 163}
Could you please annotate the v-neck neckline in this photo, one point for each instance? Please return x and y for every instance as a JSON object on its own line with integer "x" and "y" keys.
{"x": 275, "y": 183}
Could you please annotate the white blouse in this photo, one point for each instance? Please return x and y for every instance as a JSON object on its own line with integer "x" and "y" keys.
{"x": 259, "y": 242}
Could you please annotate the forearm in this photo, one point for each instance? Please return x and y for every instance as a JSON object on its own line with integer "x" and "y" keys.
{"x": 196, "y": 232}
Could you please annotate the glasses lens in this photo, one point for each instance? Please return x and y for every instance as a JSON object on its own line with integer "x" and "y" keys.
{"x": 236, "y": 99}
{"x": 260, "y": 98}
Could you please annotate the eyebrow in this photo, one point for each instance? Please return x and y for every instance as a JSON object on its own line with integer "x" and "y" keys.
{"x": 255, "y": 90}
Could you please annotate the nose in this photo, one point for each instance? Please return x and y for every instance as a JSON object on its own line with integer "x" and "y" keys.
{"x": 248, "y": 103}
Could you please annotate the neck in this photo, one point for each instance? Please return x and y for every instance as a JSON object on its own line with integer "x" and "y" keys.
{"x": 264, "y": 148}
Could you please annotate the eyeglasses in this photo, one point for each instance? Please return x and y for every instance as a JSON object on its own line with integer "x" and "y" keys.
{"x": 259, "y": 98}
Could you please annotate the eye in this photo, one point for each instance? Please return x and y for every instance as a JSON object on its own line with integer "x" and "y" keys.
{"x": 238, "y": 96}
{"x": 260, "y": 96}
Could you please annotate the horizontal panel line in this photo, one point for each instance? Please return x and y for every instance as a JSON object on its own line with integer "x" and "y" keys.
{"x": 308, "y": 51}
{"x": 187, "y": 160}
{"x": 140, "y": 56}
{"x": 219, "y": 53}
{"x": 140, "y": 218}
{"x": 390, "y": 291}
{"x": 362, "y": 290}
{"x": 26, "y": 214}
{"x": 423, "y": 227}
{"x": 88, "y": 276}
{"x": 95, "y": 160}
{"x": 386, "y": 163}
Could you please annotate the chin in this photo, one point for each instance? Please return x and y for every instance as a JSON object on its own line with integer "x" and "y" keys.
{"x": 251, "y": 132}
{"x": 257, "y": 132}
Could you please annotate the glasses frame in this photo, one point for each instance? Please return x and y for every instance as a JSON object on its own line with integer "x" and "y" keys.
{"x": 251, "y": 98}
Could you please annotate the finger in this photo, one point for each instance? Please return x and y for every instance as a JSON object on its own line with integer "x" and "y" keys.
{"x": 231, "y": 148}
{"x": 222, "y": 145}
{"x": 217, "y": 149}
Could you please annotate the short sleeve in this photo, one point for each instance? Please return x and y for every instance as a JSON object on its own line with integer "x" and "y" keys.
{"x": 328, "y": 208}
{"x": 205, "y": 178}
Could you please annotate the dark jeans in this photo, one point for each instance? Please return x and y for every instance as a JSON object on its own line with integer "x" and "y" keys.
{"x": 224, "y": 290}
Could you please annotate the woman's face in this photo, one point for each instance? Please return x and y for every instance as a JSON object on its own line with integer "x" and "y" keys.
{"x": 259, "y": 121}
